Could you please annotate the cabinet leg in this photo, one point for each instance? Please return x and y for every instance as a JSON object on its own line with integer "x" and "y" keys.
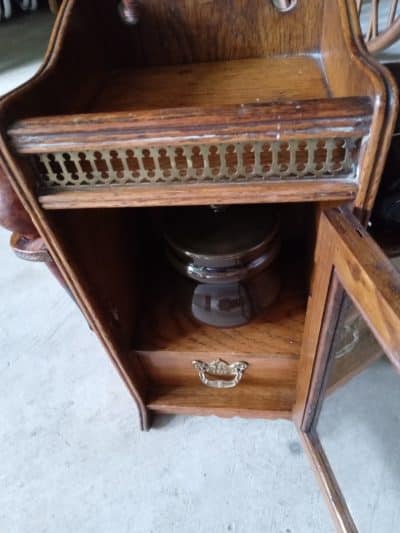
{"x": 146, "y": 419}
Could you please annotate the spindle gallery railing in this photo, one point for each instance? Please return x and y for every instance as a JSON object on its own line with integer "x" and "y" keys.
{"x": 241, "y": 162}
{"x": 382, "y": 23}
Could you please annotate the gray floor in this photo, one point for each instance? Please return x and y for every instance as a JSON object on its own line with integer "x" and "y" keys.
{"x": 359, "y": 428}
{"x": 23, "y": 41}
{"x": 72, "y": 456}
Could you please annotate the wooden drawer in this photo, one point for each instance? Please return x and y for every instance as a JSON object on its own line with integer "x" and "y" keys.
{"x": 267, "y": 389}
{"x": 177, "y": 368}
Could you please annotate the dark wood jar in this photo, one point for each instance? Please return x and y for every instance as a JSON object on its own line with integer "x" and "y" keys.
{"x": 226, "y": 258}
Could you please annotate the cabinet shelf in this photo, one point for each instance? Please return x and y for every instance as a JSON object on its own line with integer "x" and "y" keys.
{"x": 283, "y": 151}
{"x": 258, "y": 402}
{"x": 196, "y": 194}
{"x": 217, "y": 83}
{"x": 193, "y": 131}
{"x": 164, "y": 326}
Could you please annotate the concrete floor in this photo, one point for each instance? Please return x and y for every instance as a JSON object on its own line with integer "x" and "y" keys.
{"x": 72, "y": 456}
{"x": 23, "y": 42}
{"x": 359, "y": 429}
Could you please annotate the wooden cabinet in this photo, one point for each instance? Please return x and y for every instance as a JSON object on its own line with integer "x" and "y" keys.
{"x": 196, "y": 103}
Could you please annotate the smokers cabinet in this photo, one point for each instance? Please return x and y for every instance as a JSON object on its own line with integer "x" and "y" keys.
{"x": 143, "y": 107}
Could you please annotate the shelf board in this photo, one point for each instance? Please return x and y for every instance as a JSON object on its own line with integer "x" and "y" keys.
{"x": 196, "y": 125}
{"x": 257, "y": 401}
{"x": 265, "y": 100}
{"x": 165, "y": 327}
{"x": 214, "y": 84}
{"x": 195, "y": 194}
{"x": 273, "y": 99}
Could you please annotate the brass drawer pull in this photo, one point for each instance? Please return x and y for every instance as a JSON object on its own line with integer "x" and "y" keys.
{"x": 219, "y": 368}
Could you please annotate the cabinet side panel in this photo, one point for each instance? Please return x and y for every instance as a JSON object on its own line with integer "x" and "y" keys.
{"x": 352, "y": 71}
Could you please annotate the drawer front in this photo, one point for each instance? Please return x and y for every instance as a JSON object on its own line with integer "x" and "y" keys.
{"x": 191, "y": 369}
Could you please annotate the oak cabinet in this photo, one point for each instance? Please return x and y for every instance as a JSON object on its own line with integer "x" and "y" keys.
{"x": 197, "y": 103}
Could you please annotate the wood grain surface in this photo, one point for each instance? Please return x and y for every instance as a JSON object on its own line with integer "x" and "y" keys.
{"x": 192, "y": 194}
{"x": 268, "y": 121}
{"x": 176, "y": 31}
{"x": 175, "y": 368}
{"x": 166, "y": 326}
{"x": 349, "y": 74}
{"x": 370, "y": 279}
{"x": 250, "y": 402}
{"x": 217, "y": 83}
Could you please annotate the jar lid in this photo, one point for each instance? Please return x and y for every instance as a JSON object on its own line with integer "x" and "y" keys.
{"x": 226, "y": 274}
{"x": 220, "y": 237}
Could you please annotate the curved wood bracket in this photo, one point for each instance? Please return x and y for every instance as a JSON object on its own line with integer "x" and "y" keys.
{"x": 25, "y": 240}
{"x": 34, "y": 249}
{"x": 30, "y": 249}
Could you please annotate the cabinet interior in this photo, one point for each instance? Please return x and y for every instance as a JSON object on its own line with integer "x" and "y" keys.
{"x": 122, "y": 264}
{"x": 241, "y": 81}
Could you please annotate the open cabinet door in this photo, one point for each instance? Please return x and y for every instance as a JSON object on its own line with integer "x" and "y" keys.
{"x": 351, "y": 420}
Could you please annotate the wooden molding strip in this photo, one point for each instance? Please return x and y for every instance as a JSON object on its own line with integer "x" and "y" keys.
{"x": 333, "y": 117}
{"x": 193, "y": 194}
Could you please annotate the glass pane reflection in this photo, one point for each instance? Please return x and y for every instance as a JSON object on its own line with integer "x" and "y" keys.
{"x": 359, "y": 425}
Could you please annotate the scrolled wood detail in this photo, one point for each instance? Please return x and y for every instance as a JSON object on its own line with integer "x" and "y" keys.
{"x": 13, "y": 215}
{"x": 35, "y": 250}
{"x": 30, "y": 249}
{"x": 25, "y": 240}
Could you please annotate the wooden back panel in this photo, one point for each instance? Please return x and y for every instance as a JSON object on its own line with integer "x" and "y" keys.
{"x": 186, "y": 31}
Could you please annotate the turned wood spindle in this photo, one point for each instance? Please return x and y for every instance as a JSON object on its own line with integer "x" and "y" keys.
{"x": 130, "y": 11}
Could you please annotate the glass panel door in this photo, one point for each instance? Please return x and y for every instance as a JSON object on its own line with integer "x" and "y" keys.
{"x": 358, "y": 424}
{"x": 351, "y": 421}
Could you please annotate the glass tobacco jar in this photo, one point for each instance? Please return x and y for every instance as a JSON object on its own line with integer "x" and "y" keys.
{"x": 226, "y": 260}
